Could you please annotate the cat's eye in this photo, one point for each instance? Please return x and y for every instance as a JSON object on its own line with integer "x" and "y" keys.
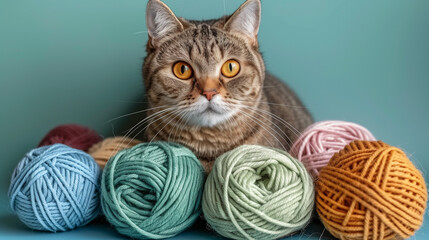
{"x": 230, "y": 68}
{"x": 182, "y": 70}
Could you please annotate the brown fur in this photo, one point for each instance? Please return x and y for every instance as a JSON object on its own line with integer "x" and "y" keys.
{"x": 270, "y": 114}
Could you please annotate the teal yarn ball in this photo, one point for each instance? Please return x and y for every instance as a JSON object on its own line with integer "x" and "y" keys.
{"x": 152, "y": 190}
{"x": 55, "y": 188}
{"x": 256, "y": 192}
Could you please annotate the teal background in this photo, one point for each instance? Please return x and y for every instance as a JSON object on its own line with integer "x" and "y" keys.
{"x": 80, "y": 61}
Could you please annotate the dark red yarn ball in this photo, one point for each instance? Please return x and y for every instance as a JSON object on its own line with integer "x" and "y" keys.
{"x": 72, "y": 135}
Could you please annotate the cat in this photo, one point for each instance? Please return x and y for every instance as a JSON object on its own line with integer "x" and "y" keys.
{"x": 207, "y": 87}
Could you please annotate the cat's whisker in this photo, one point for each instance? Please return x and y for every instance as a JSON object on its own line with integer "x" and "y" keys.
{"x": 128, "y": 101}
{"x": 159, "y": 118}
{"x": 146, "y": 119}
{"x": 176, "y": 126}
{"x": 133, "y": 113}
{"x": 139, "y": 32}
{"x": 181, "y": 127}
{"x": 172, "y": 118}
{"x": 182, "y": 123}
{"x": 252, "y": 130}
{"x": 284, "y": 122}
{"x": 136, "y": 126}
{"x": 141, "y": 122}
{"x": 172, "y": 129}
{"x": 256, "y": 111}
{"x": 126, "y": 135}
{"x": 162, "y": 118}
{"x": 290, "y": 126}
{"x": 270, "y": 103}
{"x": 185, "y": 122}
{"x": 263, "y": 124}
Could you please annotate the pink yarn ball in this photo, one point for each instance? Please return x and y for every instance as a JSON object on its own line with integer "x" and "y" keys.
{"x": 318, "y": 143}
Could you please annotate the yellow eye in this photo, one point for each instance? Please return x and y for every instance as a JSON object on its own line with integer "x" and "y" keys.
{"x": 182, "y": 70}
{"x": 230, "y": 68}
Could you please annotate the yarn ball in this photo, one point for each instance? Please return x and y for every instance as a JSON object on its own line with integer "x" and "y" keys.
{"x": 256, "y": 192}
{"x": 72, "y": 135}
{"x": 321, "y": 140}
{"x": 152, "y": 190}
{"x": 370, "y": 190}
{"x": 55, "y": 188}
{"x": 108, "y": 148}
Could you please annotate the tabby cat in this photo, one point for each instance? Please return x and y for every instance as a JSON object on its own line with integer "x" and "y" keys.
{"x": 207, "y": 87}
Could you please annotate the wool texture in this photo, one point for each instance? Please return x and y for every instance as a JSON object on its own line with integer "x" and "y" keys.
{"x": 108, "y": 148}
{"x": 321, "y": 140}
{"x": 55, "y": 188}
{"x": 152, "y": 190}
{"x": 256, "y": 192}
{"x": 72, "y": 135}
{"x": 370, "y": 190}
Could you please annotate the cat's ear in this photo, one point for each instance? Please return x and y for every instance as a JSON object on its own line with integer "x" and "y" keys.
{"x": 160, "y": 21}
{"x": 246, "y": 19}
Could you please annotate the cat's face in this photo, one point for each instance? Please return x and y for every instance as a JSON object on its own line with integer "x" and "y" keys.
{"x": 205, "y": 72}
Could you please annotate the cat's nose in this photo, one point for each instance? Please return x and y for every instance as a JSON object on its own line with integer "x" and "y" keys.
{"x": 209, "y": 94}
{"x": 207, "y": 86}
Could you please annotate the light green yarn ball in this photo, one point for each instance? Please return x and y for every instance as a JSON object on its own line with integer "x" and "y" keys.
{"x": 256, "y": 192}
{"x": 153, "y": 190}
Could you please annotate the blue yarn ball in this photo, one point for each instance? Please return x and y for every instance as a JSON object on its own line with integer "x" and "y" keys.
{"x": 55, "y": 188}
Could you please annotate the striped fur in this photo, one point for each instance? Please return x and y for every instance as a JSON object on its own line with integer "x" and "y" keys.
{"x": 253, "y": 107}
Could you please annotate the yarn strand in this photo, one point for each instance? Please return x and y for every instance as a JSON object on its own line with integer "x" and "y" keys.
{"x": 55, "y": 188}
{"x": 152, "y": 190}
{"x": 246, "y": 192}
{"x": 371, "y": 182}
{"x": 323, "y": 139}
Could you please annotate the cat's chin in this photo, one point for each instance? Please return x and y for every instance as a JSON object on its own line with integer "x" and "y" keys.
{"x": 209, "y": 118}
{"x": 209, "y": 114}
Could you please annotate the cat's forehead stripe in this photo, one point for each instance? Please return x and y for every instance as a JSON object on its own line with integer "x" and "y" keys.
{"x": 202, "y": 43}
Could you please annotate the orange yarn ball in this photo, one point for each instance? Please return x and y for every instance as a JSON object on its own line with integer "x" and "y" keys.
{"x": 370, "y": 190}
{"x": 108, "y": 148}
